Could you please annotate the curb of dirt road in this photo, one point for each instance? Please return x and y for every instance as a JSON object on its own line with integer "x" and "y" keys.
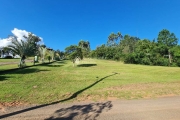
{"x": 14, "y": 69}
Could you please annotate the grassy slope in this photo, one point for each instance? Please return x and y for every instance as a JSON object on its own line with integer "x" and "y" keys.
{"x": 60, "y": 80}
{"x": 6, "y": 64}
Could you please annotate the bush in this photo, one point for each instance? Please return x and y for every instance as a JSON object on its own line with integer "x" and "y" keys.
{"x": 129, "y": 58}
{"x": 178, "y": 62}
{"x": 146, "y": 61}
{"x": 117, "y": 57}
{"x": 173, "y": 65}
{"x": 162, "y": 62}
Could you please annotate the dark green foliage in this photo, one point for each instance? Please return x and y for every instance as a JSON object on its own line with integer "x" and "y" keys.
{"x": 164, "y": 52}
{"x": 130, "y": 58}
{"x": 178, "y": 62}
{"x": 85, "y": 47}
{"x": 167, "y": 38}
{"x": 73, "y": 51}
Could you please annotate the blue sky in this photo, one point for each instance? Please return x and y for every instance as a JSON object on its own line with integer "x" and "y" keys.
{"x": 65, "y": 22}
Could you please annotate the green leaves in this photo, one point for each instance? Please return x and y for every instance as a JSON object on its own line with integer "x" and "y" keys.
{"x": 73, "y": 51}
{"x": 167, "y": 38}
{"x": 113, "y": 39}
{"x": 164, "y": 51}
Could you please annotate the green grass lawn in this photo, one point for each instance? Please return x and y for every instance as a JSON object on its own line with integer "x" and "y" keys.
{"x": 91, "y": 80}
{"x": 6, "y": 64}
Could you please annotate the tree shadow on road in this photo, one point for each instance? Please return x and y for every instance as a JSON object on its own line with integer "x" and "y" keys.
{"x": 44, "y": 105}
{"x": 85, "y": 112}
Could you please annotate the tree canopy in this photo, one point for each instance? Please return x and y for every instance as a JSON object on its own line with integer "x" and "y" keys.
{"x": 130, "y": 49}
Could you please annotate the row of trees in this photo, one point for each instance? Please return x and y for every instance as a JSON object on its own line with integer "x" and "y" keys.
{"x": 29, "y": 47}
{"x": 164, "y": 51}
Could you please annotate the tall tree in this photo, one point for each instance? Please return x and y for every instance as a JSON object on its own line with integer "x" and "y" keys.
{"x": 128, "y": 44}
{"x": 73, "y": 51}
{"x": 85, "y": 46}
{"x": 168, "y": 40}
{"x": 113, "y": 39}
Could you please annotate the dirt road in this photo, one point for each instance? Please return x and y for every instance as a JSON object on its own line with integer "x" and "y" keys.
{"x": 146, "y": 109}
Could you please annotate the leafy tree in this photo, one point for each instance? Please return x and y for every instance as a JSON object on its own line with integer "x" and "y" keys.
{"x": 73, "y": 51}
{"x": 113, "y": 39}
{"x": 128, "y": 44}
{"x": 85, "y": 46}
{"x": 168, "y": 40}
{"x": 101, "y": 52}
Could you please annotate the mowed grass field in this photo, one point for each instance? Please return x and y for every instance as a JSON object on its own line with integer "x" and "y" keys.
{"x": 6, "y": 64}
{"x": 91, "y": 80}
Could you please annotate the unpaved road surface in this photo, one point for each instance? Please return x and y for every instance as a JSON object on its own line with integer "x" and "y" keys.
{"x": 146, "y": 109}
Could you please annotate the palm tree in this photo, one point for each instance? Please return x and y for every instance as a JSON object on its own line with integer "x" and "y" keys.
{"x": 24, "y": 48}
{"x": 42, "y": 52}
{"x": 52, "y": 53}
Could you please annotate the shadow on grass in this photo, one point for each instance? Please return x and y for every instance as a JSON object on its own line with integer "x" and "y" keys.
{"x": 62, "y": 62}
{"x": 2, "y": 77}
{"x": 16, "y": 69}
{"x": 86, "y": 65}
{"x": 85, "y": 112}
{"x": 71, "y": 97}
{"x": 43, "y": 64}
{"x": 47, "y": 65}
{"x": 20, "y": 71}
{"x": 27, "y": 71}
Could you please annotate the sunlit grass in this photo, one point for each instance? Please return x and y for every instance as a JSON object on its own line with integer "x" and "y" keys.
{"x": 6, "y": 64}
{"x": 60, "y": 80}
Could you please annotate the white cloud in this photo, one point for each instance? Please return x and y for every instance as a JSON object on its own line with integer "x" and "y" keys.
{"x": 19, "y": 34}
{"x": 4, "y": 42}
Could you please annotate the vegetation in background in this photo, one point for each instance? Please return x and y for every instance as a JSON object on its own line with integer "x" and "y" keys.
{"x": 163, "y": 52}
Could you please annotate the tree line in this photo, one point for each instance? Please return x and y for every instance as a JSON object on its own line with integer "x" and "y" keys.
{"x": 164, "y": 51}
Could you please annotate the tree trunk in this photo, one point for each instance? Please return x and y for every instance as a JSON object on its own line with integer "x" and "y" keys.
{"x": 169, "y": 58}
